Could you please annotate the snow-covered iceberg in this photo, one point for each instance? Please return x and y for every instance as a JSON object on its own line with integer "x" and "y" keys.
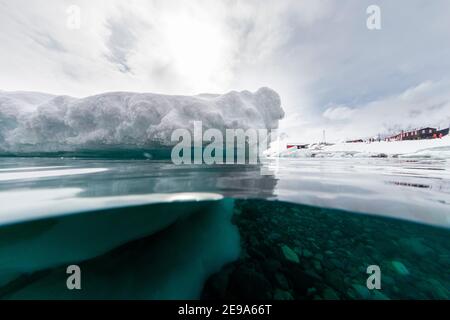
{"x": 36, "y": 122}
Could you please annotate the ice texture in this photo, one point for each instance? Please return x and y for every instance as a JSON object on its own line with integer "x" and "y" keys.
{"x": 37, "y": 122}
{"x": 171, "y": 243}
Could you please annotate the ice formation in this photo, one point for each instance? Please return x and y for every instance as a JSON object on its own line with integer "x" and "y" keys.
{"x": 36, "y": 122}
{"x": 172, "y": 246}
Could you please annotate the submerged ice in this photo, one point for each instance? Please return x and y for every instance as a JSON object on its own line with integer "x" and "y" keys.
{"x": 35, "y": 122}
{"x": 159, "y": 251}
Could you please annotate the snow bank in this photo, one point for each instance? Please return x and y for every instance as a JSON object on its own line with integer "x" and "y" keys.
{"x": 35, "y": 122}
{"x": 432, "y": 148}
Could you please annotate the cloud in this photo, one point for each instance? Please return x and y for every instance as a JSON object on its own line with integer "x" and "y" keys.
{"x": 120, "y": 43}
{"x": 164, "y": 46}
{"x": 319, "y": 55}
{"x": 427, "y": 104}
{"x": 338, "y": 113}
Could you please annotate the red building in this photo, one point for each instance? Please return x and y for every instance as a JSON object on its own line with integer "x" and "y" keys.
{"x": 418, "y": 134}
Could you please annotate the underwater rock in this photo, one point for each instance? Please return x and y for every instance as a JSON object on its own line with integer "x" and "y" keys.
{"x": 337, "y": 233}
{"x": 290, "y": 254}
{"x": 366, "y": 294}
{"x": 416, "y": 245}
{"x": 282, "y": 281}
{"x": 301, "y": 281}
{"x": 335, "y": 278}
{"x": 307, "y": 253}
{"x": 217, "y": 284}
{"x": 311, "y": 291}
{"x": 271, "y": 266}
{"x": 439, "y": 291}
{"x": 318, "y": 256}
{"x": 388, "y": 280}
{"x": 317, "y": 265}
{"x": 377, "y": 295}
{"x": 400, "y": 268}
{"x": 341, "y": 275}
{"x": 338, "y": 264}
{"x": 246, "y": 283}
{"x": 282, "y": 295}
{"x": 362, "y": 292}
{"x": 330, "y": 294}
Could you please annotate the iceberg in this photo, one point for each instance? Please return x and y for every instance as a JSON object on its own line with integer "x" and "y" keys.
{"x": 38, "y": 122}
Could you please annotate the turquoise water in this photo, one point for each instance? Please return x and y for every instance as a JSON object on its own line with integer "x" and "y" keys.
{"x": 285, "y": 229}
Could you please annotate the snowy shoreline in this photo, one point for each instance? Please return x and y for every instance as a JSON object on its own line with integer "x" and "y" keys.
{"x": 430, "y": 148}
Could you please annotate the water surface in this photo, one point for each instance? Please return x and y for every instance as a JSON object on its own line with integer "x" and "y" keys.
{"x": 148, "y": 229}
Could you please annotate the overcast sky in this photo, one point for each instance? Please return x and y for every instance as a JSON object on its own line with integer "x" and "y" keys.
{"x": 330, "y": 70}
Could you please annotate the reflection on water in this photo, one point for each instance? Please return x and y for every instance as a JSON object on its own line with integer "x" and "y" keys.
{"x": 36, "y": 174}
{"x": 44, "y": 203}
{"x": 413, "y": 185}
{"x": 412, "y": 190}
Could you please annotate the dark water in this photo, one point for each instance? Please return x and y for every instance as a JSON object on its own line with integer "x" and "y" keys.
{"x": 331, "y": 251}
{"x": 289, "y": 230}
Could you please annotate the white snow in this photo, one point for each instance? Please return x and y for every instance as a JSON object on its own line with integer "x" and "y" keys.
{"x": 429, "y": 148}
{"x": 32, "y": 121}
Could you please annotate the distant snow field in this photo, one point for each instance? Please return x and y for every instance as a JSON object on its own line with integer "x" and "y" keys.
{"x": 429, "y": 148}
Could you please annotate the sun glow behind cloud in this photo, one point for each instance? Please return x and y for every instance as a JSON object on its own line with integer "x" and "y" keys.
{"x": 163, "y": 46}
{"x": 198, "y": 50}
